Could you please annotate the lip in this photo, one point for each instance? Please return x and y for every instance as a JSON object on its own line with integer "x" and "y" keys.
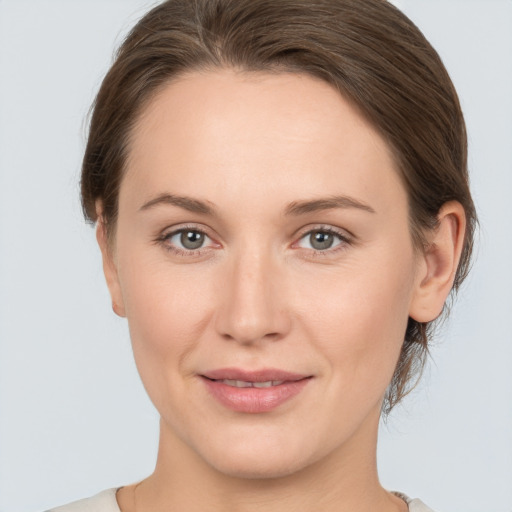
{"x": 254, "y": 400}
{"x": 263, "y": 375}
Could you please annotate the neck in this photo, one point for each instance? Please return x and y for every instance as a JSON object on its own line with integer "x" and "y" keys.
{"x": 343, "y": 481}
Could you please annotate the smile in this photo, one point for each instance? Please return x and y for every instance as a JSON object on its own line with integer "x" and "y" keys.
{"x": 253, "y": 391}
{"x": 245, "y": 384}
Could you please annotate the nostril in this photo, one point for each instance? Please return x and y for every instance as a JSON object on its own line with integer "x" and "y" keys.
{"x": 250, "y": 312}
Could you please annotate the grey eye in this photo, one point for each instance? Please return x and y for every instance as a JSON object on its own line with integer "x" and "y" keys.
{"x": 191, "y": 239}
{"x": 186, "y": 239}
{"x": 320, "y": 240}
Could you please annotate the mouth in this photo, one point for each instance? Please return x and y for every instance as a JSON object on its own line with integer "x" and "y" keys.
{"x": 253, "y": 391}
{"x": 264, "y": 375}
{"x": 248, "y": 384}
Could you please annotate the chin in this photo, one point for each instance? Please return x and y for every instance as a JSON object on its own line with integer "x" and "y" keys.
{"x": 258, "y": 467}
{"x": 265, "y": 458}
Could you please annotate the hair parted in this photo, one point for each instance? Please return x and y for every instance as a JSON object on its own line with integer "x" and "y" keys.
{"x": 367, "y": 49}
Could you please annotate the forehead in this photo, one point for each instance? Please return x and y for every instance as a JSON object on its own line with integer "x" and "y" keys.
{"x": 255, "y": 132}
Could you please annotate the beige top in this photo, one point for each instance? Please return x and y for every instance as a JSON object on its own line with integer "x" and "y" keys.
{"x": 106, "y": 501}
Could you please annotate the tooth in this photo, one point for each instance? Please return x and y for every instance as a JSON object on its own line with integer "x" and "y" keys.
{"x": 245, "y": 384}
{"x": 266, "y": 384}
{"x": 237, "y": 383}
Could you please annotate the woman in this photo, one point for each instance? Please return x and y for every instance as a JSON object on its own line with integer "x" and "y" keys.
{"x": 282, "y": 206}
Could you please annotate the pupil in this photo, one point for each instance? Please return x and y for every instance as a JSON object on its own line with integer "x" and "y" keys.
{"x": 321, "y": 240}
{"x": 192, "y": 239}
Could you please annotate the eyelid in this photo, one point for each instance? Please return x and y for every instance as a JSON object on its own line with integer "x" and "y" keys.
{"x": 345, "y": 237}
{"x": 162, "y": 238}
{"x": 329, "y": 228}
{"x": 166, "y": 234}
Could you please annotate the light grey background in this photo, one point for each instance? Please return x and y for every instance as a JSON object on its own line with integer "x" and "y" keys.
{"x": 74, "y": 418}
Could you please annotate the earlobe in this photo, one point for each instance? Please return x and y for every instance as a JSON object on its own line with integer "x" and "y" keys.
{"x": 110, "y": 268}
{"x": 439, "y": 263}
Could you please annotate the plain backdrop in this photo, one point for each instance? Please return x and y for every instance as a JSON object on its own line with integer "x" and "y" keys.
{"x": 74, "y": 418}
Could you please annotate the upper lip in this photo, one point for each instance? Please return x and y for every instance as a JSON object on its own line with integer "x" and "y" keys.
{"x": 263, "y": 375}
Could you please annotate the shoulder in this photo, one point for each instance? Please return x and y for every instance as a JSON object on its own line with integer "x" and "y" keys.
{"x": 105, "y": 501}
{"x": 415, "y": 505}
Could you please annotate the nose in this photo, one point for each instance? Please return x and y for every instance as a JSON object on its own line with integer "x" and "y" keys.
{"x": 252, "y": 306}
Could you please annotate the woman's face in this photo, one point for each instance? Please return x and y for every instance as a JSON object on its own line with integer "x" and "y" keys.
{"x": 263, "y": 228}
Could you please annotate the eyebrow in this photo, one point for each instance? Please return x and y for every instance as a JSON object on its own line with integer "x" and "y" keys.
{"x": 302, "y": 207}
{"x": 296, "y": 208}
{"x": 187, "y": 203}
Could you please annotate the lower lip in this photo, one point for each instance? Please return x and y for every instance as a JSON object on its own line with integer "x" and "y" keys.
{"x": 254, "y": 400}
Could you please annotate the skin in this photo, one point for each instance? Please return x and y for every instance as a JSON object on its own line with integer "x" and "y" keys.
{"x": 258, "y": 294}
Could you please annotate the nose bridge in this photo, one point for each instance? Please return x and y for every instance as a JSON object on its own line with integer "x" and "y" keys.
{"x": 251, "y": 308}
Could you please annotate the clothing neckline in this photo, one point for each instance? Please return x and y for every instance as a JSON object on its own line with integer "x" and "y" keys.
{"x": 113, "y": 493}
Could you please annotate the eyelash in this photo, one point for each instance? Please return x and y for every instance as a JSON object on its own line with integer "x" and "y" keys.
{"x": 164, "y": 238}
{"x": 344, "y": 240}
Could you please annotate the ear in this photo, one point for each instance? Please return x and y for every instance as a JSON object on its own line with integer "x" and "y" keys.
{"x": 438, "y": 263}
{"x": 109, "y": 264}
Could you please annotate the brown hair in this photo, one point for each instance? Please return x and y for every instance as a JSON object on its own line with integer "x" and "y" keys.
{"x": 371, "y": 52}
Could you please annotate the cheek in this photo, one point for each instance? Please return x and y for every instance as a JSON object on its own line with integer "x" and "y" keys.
{"x": 351, "y": 316}
{"x": 361, "y": 320}
{"x": 167, "y": 311}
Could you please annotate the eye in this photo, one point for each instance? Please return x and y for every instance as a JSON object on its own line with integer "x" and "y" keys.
{"x": 321, "y": 240}
{"x": 186, "y": 241}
